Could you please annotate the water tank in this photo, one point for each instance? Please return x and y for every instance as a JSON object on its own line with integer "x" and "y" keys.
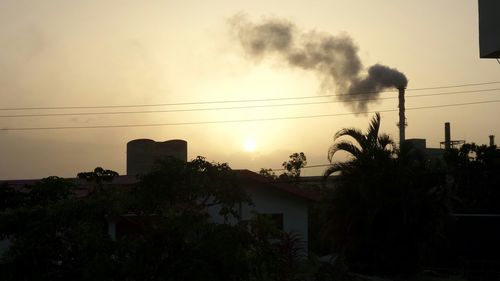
{"x": 420, "y": 144}
{"x": 142, "y": 153}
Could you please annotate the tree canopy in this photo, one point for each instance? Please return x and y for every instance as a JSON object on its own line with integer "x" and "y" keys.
{"x": 56, "y": 233}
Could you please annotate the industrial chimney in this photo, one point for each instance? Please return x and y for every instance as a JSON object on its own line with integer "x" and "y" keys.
{"x": 447, "y": 136}
{"x": 402, "y": 119}
{"x": 492, "y": 140}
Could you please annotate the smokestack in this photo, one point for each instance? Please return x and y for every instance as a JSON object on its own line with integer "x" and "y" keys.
{"x": 492, "y": 140}
{"x": 447, "y": 136}
{"x": 402, "y": 119}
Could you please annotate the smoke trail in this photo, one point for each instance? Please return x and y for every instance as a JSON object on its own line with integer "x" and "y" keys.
{"x": 334, "y": 58}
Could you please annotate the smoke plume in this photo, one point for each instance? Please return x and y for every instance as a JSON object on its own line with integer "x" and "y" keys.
{"x": 334, "y": 58}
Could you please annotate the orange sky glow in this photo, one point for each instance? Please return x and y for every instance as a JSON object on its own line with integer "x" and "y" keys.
{"x": 177, "y": 58}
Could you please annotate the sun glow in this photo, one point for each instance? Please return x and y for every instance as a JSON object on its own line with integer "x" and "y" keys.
{"x": 250, "y": 145}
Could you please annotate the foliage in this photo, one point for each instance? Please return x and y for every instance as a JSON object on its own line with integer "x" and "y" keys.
{"x": 53, "y": 233}
{"x": 387, "y": 207}
{"x": 292, "y": 168}
{"x": 475, "y": 173}
{"x": 99, "y": 175}
{"x": 61, "y": 234}
{"x": 268, "y": 173}
{"x": 370, "y": 150}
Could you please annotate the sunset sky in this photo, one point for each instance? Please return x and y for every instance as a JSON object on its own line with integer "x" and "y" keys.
{"x": 128, "y": 53}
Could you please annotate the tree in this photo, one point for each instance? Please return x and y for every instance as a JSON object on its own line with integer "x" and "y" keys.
{"x": 268, "y": 173}
{"x": 474, "y": 170}
{"x": 366, "y": 150}
{"x": 383, "y": 210}
{"x": 293, "y": 166}
{"x": 55, "y": 234}
{"x": 60, "y": 233}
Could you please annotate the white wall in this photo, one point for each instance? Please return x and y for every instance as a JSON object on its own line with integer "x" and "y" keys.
{"x": 270, "y": 201}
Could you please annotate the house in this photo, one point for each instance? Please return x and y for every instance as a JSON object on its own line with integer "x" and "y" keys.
{"x": 287, "y": 205}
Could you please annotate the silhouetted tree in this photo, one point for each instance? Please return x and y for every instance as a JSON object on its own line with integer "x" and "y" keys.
{"x": 292, "y": 168}
{"x": 268, "y": 173}
{"x": 383, "y": 211}
{"x": 59, "y": 232}
{"x": 474, "y": 170}
{"x": 294, "y": 165}
{"x": 367, "y": 150}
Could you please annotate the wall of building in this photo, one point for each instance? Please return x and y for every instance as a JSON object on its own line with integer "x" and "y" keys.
{"x": 270, "y": 201}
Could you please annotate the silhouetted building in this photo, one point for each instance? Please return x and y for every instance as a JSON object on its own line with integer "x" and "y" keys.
{"x": 143, "y": 153}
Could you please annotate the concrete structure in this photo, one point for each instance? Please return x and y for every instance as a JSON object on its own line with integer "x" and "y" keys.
{"x": 447, "y": 136}
{"x": 421, "y": 144}
{"x": 142, "y": 153}
{"x": 448, "y": 143}
{"x": 489, "y": 28}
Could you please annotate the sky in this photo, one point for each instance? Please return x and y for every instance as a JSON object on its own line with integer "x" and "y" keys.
{"x": 192, "y": 53}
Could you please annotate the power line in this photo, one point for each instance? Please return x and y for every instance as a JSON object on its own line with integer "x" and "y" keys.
{"x": 454, "y": 86}
{"x": 237, "y": 121}
{"x": 306, "y": 167}
{"x": 236, "y": 101}
{"x": 235, "y": 107}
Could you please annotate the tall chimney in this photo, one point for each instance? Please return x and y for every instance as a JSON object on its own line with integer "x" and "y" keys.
{"x": 447, "y": 136}
{"x": 492, "y": 140}
{"x": 402, "y": 119}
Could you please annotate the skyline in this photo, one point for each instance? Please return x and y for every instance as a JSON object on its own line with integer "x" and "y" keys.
{"x": 65, "y": 53}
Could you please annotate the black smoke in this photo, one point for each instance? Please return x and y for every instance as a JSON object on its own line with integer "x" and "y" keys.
{"x": 334, "y": 58}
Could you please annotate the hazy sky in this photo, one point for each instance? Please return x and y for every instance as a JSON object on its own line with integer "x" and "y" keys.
{"x": 98, "y": 53}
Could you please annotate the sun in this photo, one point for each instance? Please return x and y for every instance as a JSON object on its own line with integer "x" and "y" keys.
{"x": 250, "y": 145}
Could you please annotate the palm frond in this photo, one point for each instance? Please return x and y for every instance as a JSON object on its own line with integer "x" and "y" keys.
{"x": 354, "y": 133}
{"x": 335, "y": 167}
{"x": 384, "y": 140}
{"x": 345, "y": 146}
{"x": 373, "y": 129}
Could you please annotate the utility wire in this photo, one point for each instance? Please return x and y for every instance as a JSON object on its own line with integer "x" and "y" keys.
{"x": 236, "y": 121}
{"x": 236, "y": 101}
{"x": 305, "y": 167}
{"x": 234, "y": 107}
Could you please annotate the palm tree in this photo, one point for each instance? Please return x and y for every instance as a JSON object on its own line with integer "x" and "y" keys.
{"x": 366, "y": 148}
{"x": 382, "y": 210}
